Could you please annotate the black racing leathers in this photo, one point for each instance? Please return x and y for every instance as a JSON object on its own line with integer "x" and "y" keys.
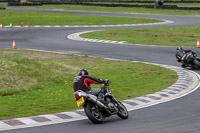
{"x": 84, "y": 82}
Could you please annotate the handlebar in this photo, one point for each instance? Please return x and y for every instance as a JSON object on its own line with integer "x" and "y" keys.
{"x": 106, "y": 82}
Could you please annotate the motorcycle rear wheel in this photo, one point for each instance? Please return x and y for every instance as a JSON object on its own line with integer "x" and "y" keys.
{"x": 93, "y": 113}
{"x": 123, "y": 113}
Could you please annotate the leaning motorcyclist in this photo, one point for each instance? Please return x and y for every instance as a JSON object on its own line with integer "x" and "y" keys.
{"x": 83, "y": 82}
{"x": 181, "y": 55}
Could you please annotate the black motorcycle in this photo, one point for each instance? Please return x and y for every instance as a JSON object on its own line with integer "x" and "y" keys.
{"x": 100, "y": 105}
{"x": 188, "y": 58}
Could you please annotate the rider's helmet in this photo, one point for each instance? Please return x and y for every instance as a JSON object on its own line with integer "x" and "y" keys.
{"x": 179, "y": 54}
{"x": 83, "y": 72}
{"x": 179, "y": 48}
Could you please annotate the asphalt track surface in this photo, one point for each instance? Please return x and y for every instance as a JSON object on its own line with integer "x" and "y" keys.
{"x": 177, "y": 116}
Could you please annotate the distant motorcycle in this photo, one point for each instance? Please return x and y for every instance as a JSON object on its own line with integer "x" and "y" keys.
{"x": 98, "y": 106}
{"x": 188, "y": 58}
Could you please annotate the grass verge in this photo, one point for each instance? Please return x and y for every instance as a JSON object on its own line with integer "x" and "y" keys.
{"x": 34, "y": 83}
{"x": 119, "y": 9}
{"x": 173, "y": 36}
{"x": 46, "y": 18}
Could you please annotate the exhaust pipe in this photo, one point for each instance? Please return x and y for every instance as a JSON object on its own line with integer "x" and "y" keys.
{"x": 96, "y": 101}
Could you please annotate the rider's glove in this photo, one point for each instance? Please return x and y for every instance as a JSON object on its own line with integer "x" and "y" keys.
{"x": 106, "y": 81}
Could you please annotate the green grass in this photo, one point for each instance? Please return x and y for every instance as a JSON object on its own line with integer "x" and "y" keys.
{"x": 172, "y": 36}
{"x": 120, "y": 9}
{"x": 34, "y": 83}
{"x": 3, "y": 5}
{"x": 45, "y": 18}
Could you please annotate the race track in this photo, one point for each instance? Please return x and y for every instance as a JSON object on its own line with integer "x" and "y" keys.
{"x": 177, "y": 116}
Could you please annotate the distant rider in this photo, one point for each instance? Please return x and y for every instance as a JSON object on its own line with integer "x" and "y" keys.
{"x": 181, "y": 55}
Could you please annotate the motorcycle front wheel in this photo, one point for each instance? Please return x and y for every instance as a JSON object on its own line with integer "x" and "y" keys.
{"x": 123, "y": 113}
{"x": 93, "y": 113}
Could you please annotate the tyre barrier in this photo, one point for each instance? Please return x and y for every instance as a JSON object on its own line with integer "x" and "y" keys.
{"x": 24, "y": 4}
{"x": 107, "y": 5}
{"x": 2, "y": 8}
{"x": 138, "y": 5}
{"x": 119, "y": 1}
{"x": 135, "y": 1}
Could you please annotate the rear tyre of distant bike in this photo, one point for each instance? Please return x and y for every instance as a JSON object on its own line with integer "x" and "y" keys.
{"x": 93, "y": 113}
{"x": 183, "y": 65}
{"x": 123, "y": 113}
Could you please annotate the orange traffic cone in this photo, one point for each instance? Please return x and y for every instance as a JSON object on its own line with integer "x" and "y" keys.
{"x": 10, "y": 25}
{"x": 22, "y": 25}
{"x": 13, "y": 46}
{"x": 1, "y": 26}
{"x": 28, "y": 24}
{"x": 198, "y": 46}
